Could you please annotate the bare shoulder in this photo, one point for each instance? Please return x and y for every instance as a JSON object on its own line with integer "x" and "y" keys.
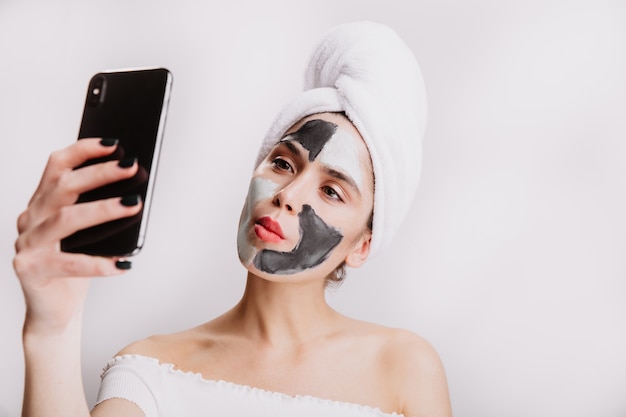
{"x": 409, "y": 353}
{"x": 167, "y": 348}
{"x": 413, "y": 369}
{"x": 399, "y": 346}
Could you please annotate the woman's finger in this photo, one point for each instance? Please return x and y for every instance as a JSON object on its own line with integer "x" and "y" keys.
{"x": 87, "y": 178}
{"x": 70, "y": 185}
{"x": 69, "y": 219}
{"x": 52, "y": 263}
{"x": 74, "y": 155}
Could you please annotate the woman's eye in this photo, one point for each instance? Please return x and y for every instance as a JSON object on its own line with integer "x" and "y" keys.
{"x": 331, "y": 193}
{"x": 282, "y": 164}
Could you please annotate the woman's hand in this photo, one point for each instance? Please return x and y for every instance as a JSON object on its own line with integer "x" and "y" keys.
{"x": 54, "y": 282}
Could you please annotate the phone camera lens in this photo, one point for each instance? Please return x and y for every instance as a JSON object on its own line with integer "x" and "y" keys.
{"x": 96, "y": 91}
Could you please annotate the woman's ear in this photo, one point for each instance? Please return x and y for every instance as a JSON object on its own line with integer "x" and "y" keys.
{"x": 358, "y": 255}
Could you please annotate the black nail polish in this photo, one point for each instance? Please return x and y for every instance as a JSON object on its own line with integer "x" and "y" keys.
{"x": 130, "y": 200}
{"x": 109, "y": 141}
{"x": 126, "y": 162}
{"x": 124, "y": 265}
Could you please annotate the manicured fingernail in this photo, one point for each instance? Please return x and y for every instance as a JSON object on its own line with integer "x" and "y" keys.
{"x": 126, "y": 162}
{"x": 109, "y": 141}
{"x": 124, "y": 265}
{"x": 130, "y": 200}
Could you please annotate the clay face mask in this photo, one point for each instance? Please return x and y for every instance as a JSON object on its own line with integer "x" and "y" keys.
{"x": 259, "y": 189}
{"x": 341, "y": 153}
{"x": 336, "y": 149}
{"x": 313, "y": 136}
{"x": 317, "y": 240}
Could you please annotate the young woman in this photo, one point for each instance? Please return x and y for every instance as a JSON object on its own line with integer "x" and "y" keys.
{"x": 334, "y": 176}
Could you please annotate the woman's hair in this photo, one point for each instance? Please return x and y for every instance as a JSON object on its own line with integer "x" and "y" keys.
{"x": 336, "y": 278}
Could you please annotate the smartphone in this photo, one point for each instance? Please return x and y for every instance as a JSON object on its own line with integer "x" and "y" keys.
{"x": 130, "y": 106}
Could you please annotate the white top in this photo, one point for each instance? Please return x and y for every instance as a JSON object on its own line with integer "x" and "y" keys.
{"x": 162, "y": 391}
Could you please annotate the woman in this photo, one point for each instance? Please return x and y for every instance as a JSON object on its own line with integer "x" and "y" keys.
{"x": 335, "y": 176}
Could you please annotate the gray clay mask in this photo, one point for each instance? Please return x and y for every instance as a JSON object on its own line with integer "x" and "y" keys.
{"x": 333, "y": 147}
{"x": 317, "y": 240}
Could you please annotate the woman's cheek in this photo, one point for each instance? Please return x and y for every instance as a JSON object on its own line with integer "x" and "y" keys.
{"x": 259, "y": 189}
{"x": 317, "y": 242}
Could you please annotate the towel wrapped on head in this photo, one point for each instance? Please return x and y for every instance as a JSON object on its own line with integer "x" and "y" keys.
{"x": 366, "y": 71}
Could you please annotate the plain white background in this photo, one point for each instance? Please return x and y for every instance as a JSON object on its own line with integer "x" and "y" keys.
{"x": 512, "y": 260}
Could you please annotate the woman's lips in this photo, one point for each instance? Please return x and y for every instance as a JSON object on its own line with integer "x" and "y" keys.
{"x": 268, "y": 230}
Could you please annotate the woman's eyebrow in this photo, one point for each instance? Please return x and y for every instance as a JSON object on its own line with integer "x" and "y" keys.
{"x": 293, "y": 148}
{"x": 326, "y": 169}
{"x": 342, "y": 177}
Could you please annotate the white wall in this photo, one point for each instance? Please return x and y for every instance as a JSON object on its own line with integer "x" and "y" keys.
{"x": 512, "y": 261}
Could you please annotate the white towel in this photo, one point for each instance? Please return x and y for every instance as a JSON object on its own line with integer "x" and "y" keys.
{"x": 365, "y": 70}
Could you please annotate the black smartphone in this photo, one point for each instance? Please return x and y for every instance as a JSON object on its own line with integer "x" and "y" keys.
{"x": 130, "y": 106}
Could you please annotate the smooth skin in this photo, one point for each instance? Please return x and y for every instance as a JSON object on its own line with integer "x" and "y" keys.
{"x": 282, "y": 336}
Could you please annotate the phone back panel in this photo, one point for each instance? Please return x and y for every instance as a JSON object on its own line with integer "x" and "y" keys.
{"x": 129, "y": 106}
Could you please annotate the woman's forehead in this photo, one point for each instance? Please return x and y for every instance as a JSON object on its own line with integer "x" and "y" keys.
{"x": 313, "y": 136}
{"x": 333, "y": 146}
{"x": 338, "y": 119}
{"x": 323, "y": 131}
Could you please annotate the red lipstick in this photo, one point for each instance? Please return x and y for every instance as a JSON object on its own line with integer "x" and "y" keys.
{"x": 268, "y": 230}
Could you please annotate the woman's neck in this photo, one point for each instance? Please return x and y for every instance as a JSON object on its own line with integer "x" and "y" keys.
{"x": 283, "y": 314}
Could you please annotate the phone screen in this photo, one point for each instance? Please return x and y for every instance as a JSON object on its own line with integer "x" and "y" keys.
{"x": 129, "y": 106}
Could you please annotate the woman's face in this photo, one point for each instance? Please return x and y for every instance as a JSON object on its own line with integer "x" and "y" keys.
{"x": 309, "y": 202}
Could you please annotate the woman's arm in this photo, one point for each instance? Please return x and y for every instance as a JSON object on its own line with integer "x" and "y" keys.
{"x": 53, "y": 383}
{"x": 116, "y": 407}
{"x": 55, "y": 283}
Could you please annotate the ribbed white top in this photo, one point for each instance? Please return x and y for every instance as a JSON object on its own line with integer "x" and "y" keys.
{"x": 162, "y": 391}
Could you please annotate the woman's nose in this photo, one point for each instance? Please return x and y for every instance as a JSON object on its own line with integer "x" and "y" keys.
{"x": 279, "y": 201}
{"x": 291, "y": 195}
